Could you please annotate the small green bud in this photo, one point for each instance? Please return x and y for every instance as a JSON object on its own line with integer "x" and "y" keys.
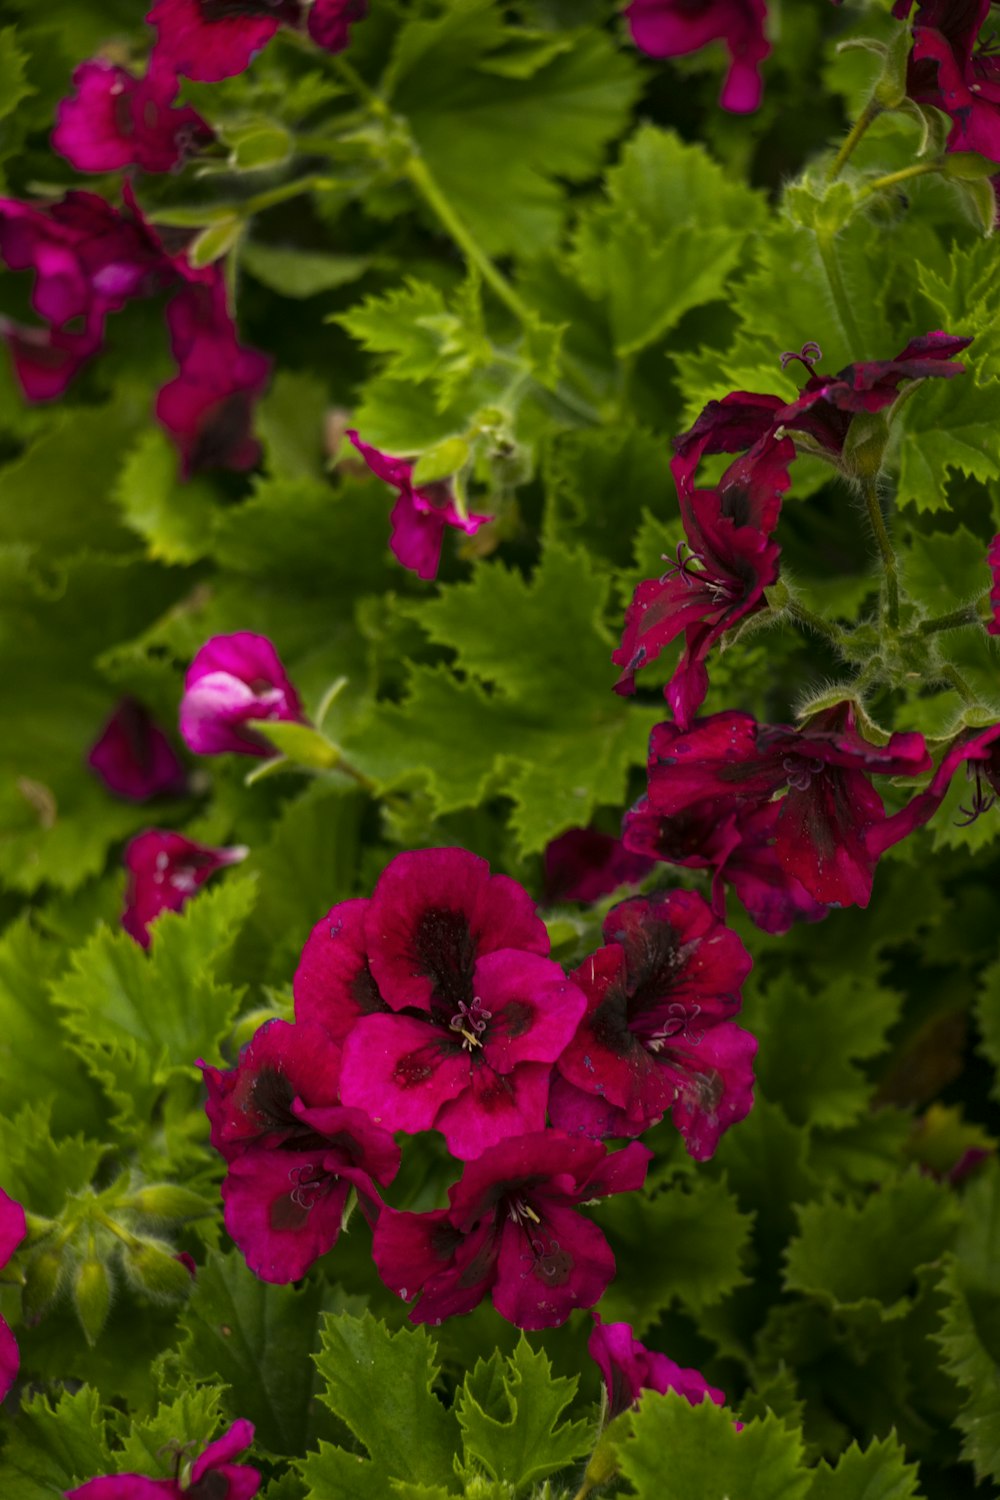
{"x": 215, "y": 241}
{"x": 165, "y": 1200}
{"x": 153, "y": 1267}
{"x": 92, "y": 1296}
{"x": 299, "y": 743}
{"x": 41, "y": 1282}
{"x": 865, "y": 445}
{"x": 258, "y": 144}
{"x": 890, "y": 89}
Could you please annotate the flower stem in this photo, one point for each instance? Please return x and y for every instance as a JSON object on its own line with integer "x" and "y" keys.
{"x": 885, "y": 548}
{"x": 952, "y": 675}
{"x": 867, "y": 117}
{"x": 919, "y": 169}
{"x": 967, "y": 615}
{"x": 283, "y": 193}
{"x": 826, "y": 245}
{"x": 803, "y": 616}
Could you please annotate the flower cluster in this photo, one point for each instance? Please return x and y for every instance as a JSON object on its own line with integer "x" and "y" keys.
{"x": 433, "y": 1005}
{"x": 950, "y": 70}
{"x": 12, "y": 1232}
{"x": 788, "y": 816}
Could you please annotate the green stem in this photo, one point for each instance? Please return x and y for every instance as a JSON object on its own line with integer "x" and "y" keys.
{"x": 919, "y": 169}
{"x": 867, "y": 117}
{"x": 803, "y": 616}
{"x": 282, "y": 194}
{"x": 354, "y": 80}
{"x": 885, "y": 548}
{"x": 967, "y": 615}
{"x": 952, "y": 675}
{"x": 830, "y": 260}
{"x": 420, "y": 176}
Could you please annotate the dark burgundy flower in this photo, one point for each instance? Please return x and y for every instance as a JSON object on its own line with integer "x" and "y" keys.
{"x": 979, "y": 750}
{"x": 293, "y": 1152}
{"x": 12, "y": 1232}
{"x": 511, "y": 1231}
{"x": 732, "y": 560}
{"x": 738, "y": 848}
{"x": 948, "y": 72}
{"x": 333, "y": 984}
{"x": 212, "y": 1476}
{"x": 993, "y": 563}
{"x": 420, "y": 515}
{"x": 330, "y": 22}
{"x": 45, "y": 360}
{"x": 134, "y": 758}
{"x": 584, "y": 865}
{"x": 232, "y": 681}
{"x": 116, "y": 120}
{"x": 629, "y": 1368}
{"x": 655, "y": 1036}
{"x": 673, "y": 28}
{"x": 164, "y": 870}
{"x": 208, "y": 407}
{"x": 729, "y": 760}
{"x": 213, "y": 39}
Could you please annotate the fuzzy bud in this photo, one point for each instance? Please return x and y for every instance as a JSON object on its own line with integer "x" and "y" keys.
{"x": 165, "y": 1200}
{"x": 153, "y": 1267}
{"x": 865, "y": 445}
{"x": 41, "y": 1283}
{"x": 92, "y": 1296}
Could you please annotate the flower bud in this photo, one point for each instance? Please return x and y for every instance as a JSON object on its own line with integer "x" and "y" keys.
{"x": 890, "y": 89}
{"x": 92, "y": 1296}
{"x": 153, "y": 1267}
{"x": 41, "y": 1283}
{"x": 865, "y": 445}
{"x": 165, "y": 1200}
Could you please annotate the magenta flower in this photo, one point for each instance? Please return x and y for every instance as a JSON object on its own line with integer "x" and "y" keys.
{"x": 979, "y": 751}
{"x": 116, "y": 120}
{"x": 993, "y": 563}
{"x": 946, "y": 71}
{"x": 232, "y": 681}
{"x": 212, "y": 1476}
{"x": 732, "y": 560}
{"x": 673, "y": 28}
{"x": 134, "y": 758}
{"x": 330, "y": 21}
{"x": 511, "y": 1231}
{"x": 629, "y": 1368}
{"x": 12, "y": 1232}
{"x": 475, "y": 1014}
{"x": 293, "y": 1152}
{"x": 333, "y": 984}
{"x": 419, "y": 516}
{"x": 214, "y": 39}
{"x": 164, "y": 870}
{"x": 45, "y": 360}
{"x": 738, "y": 848}
{"x": 208, "y": 407}
{"x": 584, "y": 865}
{"x": 823, "y": 822}
{"x": 656, "y": 1034}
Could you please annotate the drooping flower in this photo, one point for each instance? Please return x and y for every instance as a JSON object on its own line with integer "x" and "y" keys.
{"x": 584, "y": 864}
{"x": 420, "y": 515}
{"x": 629, "y": 1368}
{"x": 212, "y": 1476}
{"x": 233, "y": 680}
{"x": 733, "y": 558}
{"x": 208, "y": 407}
{"x": 293, "y": 1151}
{"x": 729, "y": 760}
{"x": 164, "y": 870}
{"x": 993, "y": 563}
{"x": 116, "y": 120}
{"x": 674, "y": 28}
{"x": 511, "y": 1231}
{"x": 979, "y": 750}
{"x": 134, "y": 758}
{"x": 657, "y": 1034}
{"x": 948, "y": 72}
{"x": 329, "y": 22}
{"x": 12, "y": 1232}
{"x": 474, "y": 1013}
{"x": 738, "y": 848}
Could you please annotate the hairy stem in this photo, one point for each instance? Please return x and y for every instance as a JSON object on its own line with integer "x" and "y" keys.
{"x": 952, "y": 675}
{"x": 919, "y": 169}
{"x": 885, "y": 548}
{"x": 803, "y": 616}
{"x": 967, "y": 615}
{"x": 868, "y": 115}
{"x": 826, "y": 245}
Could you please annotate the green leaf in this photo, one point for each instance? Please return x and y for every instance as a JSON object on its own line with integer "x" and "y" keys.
{"x": 40, "y": 1171}
{"x": 988, "y": 1021}
{"x": 291, "y": 423}
{"x": 704, "y": 1233}
{"x": 847, "y": 1255}
{"x": 600, "y": 484}
{"x": 684, "y": 1452}
{"x": 519, "y": 1438}
{"x": 149, "y": 1444}
{"x": 173, "y": 518}
{"x": 54, "y": 1446}
{"x": 421, "y": 338}
{"x": 951, "y": 427}
{"x": 808, "y": 1054}
{"x": 300, "y": 273}
{"x": 380, "y": 1385}
{"x": 497, "y": 144}
{"x": 670, "y": 234}
{"x": 533, "y": 714}
{"x": 257, "y": 1338}
{"x": 879, "y": 1473}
